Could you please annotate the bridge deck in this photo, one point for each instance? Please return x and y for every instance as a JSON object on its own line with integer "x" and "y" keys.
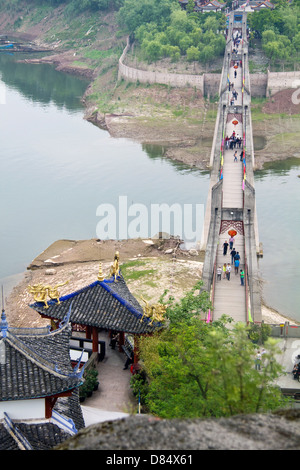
{"x": 229, "y": 296}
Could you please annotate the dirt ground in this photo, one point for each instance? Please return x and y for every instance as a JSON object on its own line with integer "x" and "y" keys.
{"x": 150, "y": 268}
{"x": 285, "y": 101}
{"x": 163, "y": 264}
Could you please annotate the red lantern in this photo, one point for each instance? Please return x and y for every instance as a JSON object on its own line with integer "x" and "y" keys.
{"x": 235, "y": 122}
{"x": 232, "y": 232}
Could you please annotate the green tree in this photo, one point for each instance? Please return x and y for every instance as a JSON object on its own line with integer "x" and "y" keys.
{"x": 192, "y": 54}
{"x": 206, "y": 54}
{"x": 190, "y": 6}
{"x": 272, "y": 50}
{"x": 153, "y": 51}
{"x": 296, "y": 42}
{"x": 135, "y": 13}
{"x": 185, "y": 43}
{"x": 268, "y": 36}
{"x": 196, "y": 369}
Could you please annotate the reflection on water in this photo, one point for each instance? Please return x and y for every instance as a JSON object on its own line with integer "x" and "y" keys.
{"x": 259, "y": 142}
{"x": 41, "y": 82}
{"x": 157, "y": 152}
{"x": 57, "y": 168}
{"x": 281, "y": 167}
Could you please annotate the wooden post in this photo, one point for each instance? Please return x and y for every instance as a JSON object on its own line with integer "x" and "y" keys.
{"x": 121, "y": 340}
{"x": 136, "y": 349}
{"x": 88, "y": 332}
{"x": 95, "y": 339}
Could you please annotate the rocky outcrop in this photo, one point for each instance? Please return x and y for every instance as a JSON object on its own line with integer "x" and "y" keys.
{"x": 277, "y": 431}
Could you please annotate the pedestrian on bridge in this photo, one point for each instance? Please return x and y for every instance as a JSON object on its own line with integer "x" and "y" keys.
{"x": 228, "y": 270}
{"x": 225, "y": 247}
{"x": 236, "y": 266}
{"x": 224, "y": 270}
{"x": 242, "y": 276}
{"x": 219, "y": 273}
{"x": 231, "y": 241}
{"x": 233, "y": 253}
{"x": 235, "y": 156}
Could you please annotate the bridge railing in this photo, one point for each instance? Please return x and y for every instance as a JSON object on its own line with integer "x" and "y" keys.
{"x": 212, "y": 294}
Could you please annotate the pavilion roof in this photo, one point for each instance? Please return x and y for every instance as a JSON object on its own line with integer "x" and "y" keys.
{"x": 35, "y": 364}
{"x": 262, "y": 4}
{"x": 106, "y": 304}
{"x": 15, "y": 435}
{"x": 210, "y": 4}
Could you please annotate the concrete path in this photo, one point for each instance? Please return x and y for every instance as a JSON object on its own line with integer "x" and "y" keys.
{"x": 114, "y": 398}
{"x": 229, "y": 296}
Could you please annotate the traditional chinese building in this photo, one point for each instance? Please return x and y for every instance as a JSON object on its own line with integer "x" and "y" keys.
{"x": 39, "y": 398}
{"x": 106, "y": 304}
{"x": 256, "y": 6}
{"x": 204, "y": 5}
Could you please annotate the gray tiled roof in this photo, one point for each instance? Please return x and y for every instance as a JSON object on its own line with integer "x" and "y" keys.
{"x": 34, "y": 366}
{"x": 103, "y": 304}
{"x": 36, "y": 363}
{"x": 39, "y": 436}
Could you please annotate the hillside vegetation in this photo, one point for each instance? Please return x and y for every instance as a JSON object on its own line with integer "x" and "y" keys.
{"x": 88, "y": 36}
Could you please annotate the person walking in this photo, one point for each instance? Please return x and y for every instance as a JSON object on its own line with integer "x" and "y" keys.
{"x": 233, "y": 253}
{"x": 258, "y": 361}
{"x": 231, "y": 241}
{"x": 236, "y": 266}
{"x": 242, "y": 276}
{"x": 237, "y": 256}
{"x": 224, "y": 270}
{"x": 225, "y": 246}
{"x": 219, "y": 273}
{"x": 235, "y": 156}
{"x": 228, "y": 270}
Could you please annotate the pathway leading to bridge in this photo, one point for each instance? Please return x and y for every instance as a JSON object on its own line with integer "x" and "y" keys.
{"x": 231, "y": 199}
{"x": 229, "y": 295}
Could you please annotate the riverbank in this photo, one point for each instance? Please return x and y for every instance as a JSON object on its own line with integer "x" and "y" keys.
{"x": 179, "y": 119}
{"x": 150, "y": 268}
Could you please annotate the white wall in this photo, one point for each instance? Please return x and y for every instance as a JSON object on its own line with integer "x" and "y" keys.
{"x": 23, "y": 409}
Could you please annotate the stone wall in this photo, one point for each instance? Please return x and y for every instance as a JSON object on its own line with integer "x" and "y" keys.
{"x": 144, "y": 76}
{"x": 278, "y": 81}
{"x": 211, "y": 84}
{"x": 262, "y": 85}
{"x": 258, "y": 83}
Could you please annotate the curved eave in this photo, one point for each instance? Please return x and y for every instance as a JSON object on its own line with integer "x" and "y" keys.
{"x": 106, "y": 309}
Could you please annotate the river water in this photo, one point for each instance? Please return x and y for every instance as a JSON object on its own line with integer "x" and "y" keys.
{"x": 57, "y": 170}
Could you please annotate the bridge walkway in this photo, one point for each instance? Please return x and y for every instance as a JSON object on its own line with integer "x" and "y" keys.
{"x": 229, "y": 297}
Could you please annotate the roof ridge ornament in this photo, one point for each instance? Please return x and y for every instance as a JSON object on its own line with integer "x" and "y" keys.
{"x": 3, "y": 323}
{"x": 66, "y": 317}
{"x": 154, "y": 312}
{"x": 115, "y": 267}
{"x": 40, "y": 292}
{"x": 100, "y": 274}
